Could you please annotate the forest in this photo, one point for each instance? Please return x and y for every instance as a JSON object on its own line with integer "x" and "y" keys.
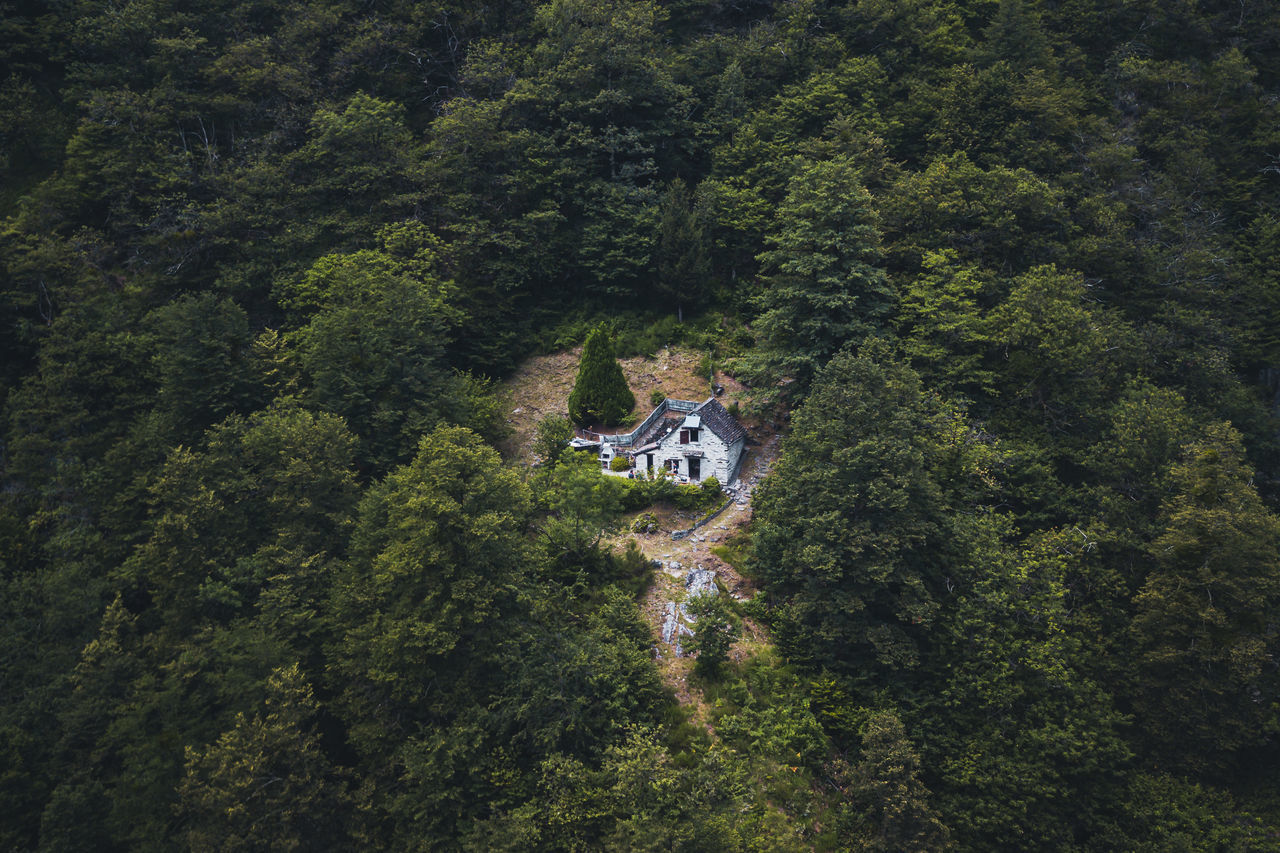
{"x": 1005, "y": 275}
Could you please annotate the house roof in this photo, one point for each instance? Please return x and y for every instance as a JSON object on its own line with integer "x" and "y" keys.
{"x": 719, "y": 421}
{"x": 692, "y": 422}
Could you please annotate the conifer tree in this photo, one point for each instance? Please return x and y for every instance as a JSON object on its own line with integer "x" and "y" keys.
{"x": 886, "y": 783}
{"x": 824, "y": 287}
{"x": 600, "y": 393}
{"x": 683, "y": 266}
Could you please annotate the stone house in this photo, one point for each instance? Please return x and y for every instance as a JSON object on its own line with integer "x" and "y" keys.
{"x": 692, "y": 441}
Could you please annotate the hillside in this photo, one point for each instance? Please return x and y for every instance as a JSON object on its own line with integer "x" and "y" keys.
{"x": 292, "y": 555}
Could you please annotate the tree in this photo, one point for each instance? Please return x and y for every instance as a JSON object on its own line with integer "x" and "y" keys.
{"x": 893, "y": 802}
{"x": 683, "y": 266}
{"x": 823, "y": 287}
{"x": 266, "y": 784}
{"x": 1207, "y": 690}
{"x": 551, "y": 438}
{"x": 849, "y": 535}
{"x": 714, "y": 634}
{"x": 600, "y": 393}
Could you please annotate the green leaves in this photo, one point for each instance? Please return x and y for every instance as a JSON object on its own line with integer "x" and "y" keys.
{"x": 1204, "y": 628}
{"x": 823, "y": 286}
{"x": 848, "y": 535}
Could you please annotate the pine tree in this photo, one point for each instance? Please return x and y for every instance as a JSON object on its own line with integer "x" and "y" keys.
{"x": 683, "y": 267}
{"x": 600, "y": 393}
{"x": 895, "y": 802}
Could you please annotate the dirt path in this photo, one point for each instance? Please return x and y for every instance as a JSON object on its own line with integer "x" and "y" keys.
{"x": 679, "y": 556}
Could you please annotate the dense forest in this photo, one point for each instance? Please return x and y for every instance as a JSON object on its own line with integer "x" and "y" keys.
{"x": 1003, "y": 272}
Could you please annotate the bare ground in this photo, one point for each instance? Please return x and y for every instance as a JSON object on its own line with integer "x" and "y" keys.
{"x": 695, "y": 552}
{"x": 541, "y": 387}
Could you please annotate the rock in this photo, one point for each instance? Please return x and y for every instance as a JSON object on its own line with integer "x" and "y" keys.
{"x": 670, "y": 624}
{"x": 701, "y": 581}
{"x": 673, "y": 629}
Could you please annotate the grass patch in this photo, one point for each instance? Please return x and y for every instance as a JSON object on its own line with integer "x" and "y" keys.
{"x": 736, "y": 551}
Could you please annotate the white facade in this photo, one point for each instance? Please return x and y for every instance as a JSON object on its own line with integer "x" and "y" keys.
{"x": 707, "y": 443}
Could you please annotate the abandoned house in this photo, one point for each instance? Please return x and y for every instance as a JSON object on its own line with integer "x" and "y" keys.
{"x": 691, "y": 441}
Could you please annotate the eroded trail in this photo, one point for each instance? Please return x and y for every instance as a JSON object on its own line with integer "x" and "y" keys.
{"x": 679, "y": 557}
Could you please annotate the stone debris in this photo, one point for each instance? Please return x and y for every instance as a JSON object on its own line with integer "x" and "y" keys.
{"x": 701, "y": 581}
{"x": 673, "y": 630}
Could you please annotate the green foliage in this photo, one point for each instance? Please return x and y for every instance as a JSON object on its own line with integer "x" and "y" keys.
{"x": 715, "y": 631}
{"x": 891, "y": 802}
{"x": 266, "y": 784}
{"x": 251, "y": 254}
{"x": 619, "y": 463}
{"x": 551, "y": 438}
{"x": 1202, "y": 629}
{"x": 656, "y": 397}
{"x": 823, "y": 288}
{"x": 600, "y": 393}
{"x": 684, "y": 269}
{"x": 848, "y": 536}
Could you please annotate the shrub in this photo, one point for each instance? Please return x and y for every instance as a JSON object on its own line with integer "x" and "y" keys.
{"x": 656, "y": 398}
{"x": 687, "y": 497}
{"x": 711, "y": 488}
{"x": 714, "y": 632}
{"x": 552, "y": 438}
{"x": 619, "y": 463}
{"x": 645, "y": 523}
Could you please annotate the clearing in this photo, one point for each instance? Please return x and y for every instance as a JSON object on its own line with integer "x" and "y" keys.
{"x": 541, "y": 387}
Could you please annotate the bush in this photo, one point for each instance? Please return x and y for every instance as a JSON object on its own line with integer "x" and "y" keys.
{"x": 711, "y": 488}
{"x": 619, "y": 463}
{"x": 551, "y": 438}
{"x": 688, "y": 497}
{"x": 645, "y": 523}
{"x": 714, "y": 632}
{"x": 656, "y": 398}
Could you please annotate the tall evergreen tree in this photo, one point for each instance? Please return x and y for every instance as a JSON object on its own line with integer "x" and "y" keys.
{"x": 683, "y": 266}
{"x": 600, "y": 393}
{"x": 894, "y": 802}
{"x": 1207, "y": 688}
{"x": 823, "y": 286}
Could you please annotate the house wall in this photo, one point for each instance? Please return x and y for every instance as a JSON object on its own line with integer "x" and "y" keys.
{"x": 718, "y": 459}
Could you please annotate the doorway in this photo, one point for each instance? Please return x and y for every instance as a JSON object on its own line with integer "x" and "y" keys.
{"x": 695, "y": 469}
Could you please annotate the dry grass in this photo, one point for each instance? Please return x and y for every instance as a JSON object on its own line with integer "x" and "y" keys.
{"x": 542, "y": 384}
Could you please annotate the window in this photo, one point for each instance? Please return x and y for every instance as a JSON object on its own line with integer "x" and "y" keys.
{"x": 673, "y": 465}
{"x": 688, "y": 436}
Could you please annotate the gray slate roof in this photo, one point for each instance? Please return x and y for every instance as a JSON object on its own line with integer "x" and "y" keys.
{"x": 719, "y": 421}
